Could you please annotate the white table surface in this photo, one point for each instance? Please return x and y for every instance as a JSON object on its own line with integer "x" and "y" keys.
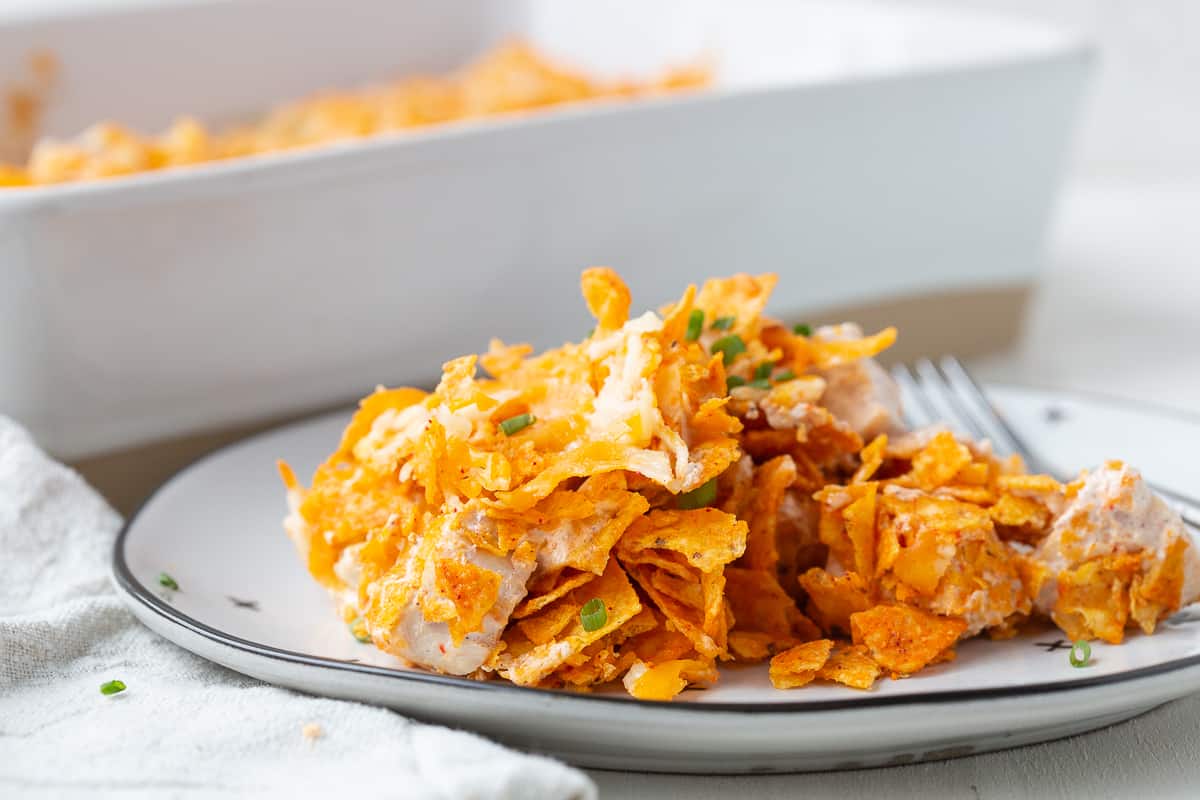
{"x": 1117, "y": 312}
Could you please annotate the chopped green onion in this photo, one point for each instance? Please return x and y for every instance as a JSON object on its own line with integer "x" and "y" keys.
{"x": 700, "y": 497}
{"x": 517, "y": 423}
{"x": 166, "y": 580}
{"x": 763, "y": 370}
{"x": 359, "y": 630}
{"x": 593, "y": 615}
{"x": 760, "y": 383}
{"x": 729, "y": 347}
{"x": 112, "y": 687}
{"x": 1081, "y": 653}
{"x": 785, "y": 375}
{"x": 591, "y": 333}
{"x": 802, "y": 329}
{"x": 734, "y": 381}
{"x": 723, "y": 323}
{"x": 695, "y": 325}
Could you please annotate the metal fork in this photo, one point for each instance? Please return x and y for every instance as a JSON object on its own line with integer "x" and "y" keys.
{"x": 946, "y": 392}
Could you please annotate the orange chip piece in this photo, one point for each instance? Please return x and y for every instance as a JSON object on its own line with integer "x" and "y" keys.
{"x": 564, "y": 582}
{"x": 1158, "y": 594}
{"x": 872, "y": 459}
{"x": 607, "y": 297}
{"x": 706, "y": 537}
{"x": 621, "y": 605}
{"x": 1034, "y": 484}
{"x": 830, "y": 353}
{"x": 1093, "y": 599}
{"x": 750, "y": 646}
{"x": 850, "y": 665}
{"x": 903, "y": 639}
{"x": 473, "y": 590}
{"x": 771, "y": 480}
{"x": 833, "y": 598}
{"x": 798, "y": 666}
{"x": 759, "y": 603}
{"x": 939, "y": 461}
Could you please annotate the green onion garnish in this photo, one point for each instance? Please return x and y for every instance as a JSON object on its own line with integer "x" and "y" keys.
{"x": 517, "y": 423}
{"x": 729, "y": 347}
{"x": 734, "y": 381}
{"x": 723, "y": 323}
{"x": 695, "y": 325}
{"x": 1081, "y": 653}
{"x": 112, "y": 687}
{"x": 785, "y": 375}
{"x": 359, "y": 630}
{"x": 763, "y": 370}
{"x": 801, "y": 329}
{"x": 591, "y": 333}
{"x": 593, "y": 615}
{"x": 166, "y": 580}
{"x": 700, "y": 497}
{"x": 760, "y": 383}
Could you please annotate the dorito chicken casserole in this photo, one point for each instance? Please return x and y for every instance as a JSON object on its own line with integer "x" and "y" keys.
{"x": 702, "y": 485}
{"x": 514, "y": 77}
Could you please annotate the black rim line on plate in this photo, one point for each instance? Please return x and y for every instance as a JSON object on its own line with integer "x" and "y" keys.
{"x": 135, "y": 589}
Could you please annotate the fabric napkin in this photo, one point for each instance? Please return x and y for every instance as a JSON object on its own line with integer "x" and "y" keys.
{"x": 184, "y": 727}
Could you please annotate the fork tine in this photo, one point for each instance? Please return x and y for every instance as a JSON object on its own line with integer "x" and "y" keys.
{"x": 943, "y": 395}
{"x": 914, "y": 407}
{"x": 1001, "y": 433}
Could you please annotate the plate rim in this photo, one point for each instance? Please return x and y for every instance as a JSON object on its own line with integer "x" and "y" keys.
{"x": 136, "y": 591}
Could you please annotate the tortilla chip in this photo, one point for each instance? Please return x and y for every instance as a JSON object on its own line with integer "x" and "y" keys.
{"x": 771, "y": 480}
{"x": 706, "y": 537}
{"x": 759, "y": 603}
{"x": 472, "y": 590}
{"x": 832, "y": 599}
{"x": 621, "y": 604}
{"x": 754, "y": 646}
{"x": 607, "y": 297}
{"x": 686, "y": 618}
{"x": 871, "y": 457}
{"x": 902, "y": 639}
{"x": 1021, "y": 518}
{"x": 544, "y": 592}
{"x": 850, "y": 665}
{"x": 1033, "y": 484}
{"x": 939, "y": 461}
{"x": 799, "y": 665}
{"x": 742, "y": 297}
{"x": 859, "y": 518}
{"x": 826, "y": 354}
{"x": 1093, "y": 599}
{"x": 1157, "y": 595}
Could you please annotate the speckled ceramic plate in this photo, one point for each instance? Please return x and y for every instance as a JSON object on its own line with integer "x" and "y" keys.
{"x": 245, "y": 601}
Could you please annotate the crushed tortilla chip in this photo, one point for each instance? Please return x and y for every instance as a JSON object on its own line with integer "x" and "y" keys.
{"x": 850, "y": 665}
{"x": 799, "y": 665}
{"x": 903, "y": 640}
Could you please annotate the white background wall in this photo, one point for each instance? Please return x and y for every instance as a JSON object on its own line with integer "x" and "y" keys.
{"x": 1144, "y": 113}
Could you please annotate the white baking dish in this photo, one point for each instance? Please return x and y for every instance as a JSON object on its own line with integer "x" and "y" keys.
{"x": 860, "y": 151}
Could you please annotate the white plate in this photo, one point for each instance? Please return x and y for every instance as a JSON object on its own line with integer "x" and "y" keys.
{"x": 245, "y": 601}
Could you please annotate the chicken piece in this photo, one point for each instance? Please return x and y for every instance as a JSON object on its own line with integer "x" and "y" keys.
{"x": 862, "y": 394}
{"x": 445, "y": 607}
{"x": 1116, "y": 527}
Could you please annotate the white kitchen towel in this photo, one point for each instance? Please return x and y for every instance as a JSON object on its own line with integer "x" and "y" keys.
{"x": 184, "y": 727}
